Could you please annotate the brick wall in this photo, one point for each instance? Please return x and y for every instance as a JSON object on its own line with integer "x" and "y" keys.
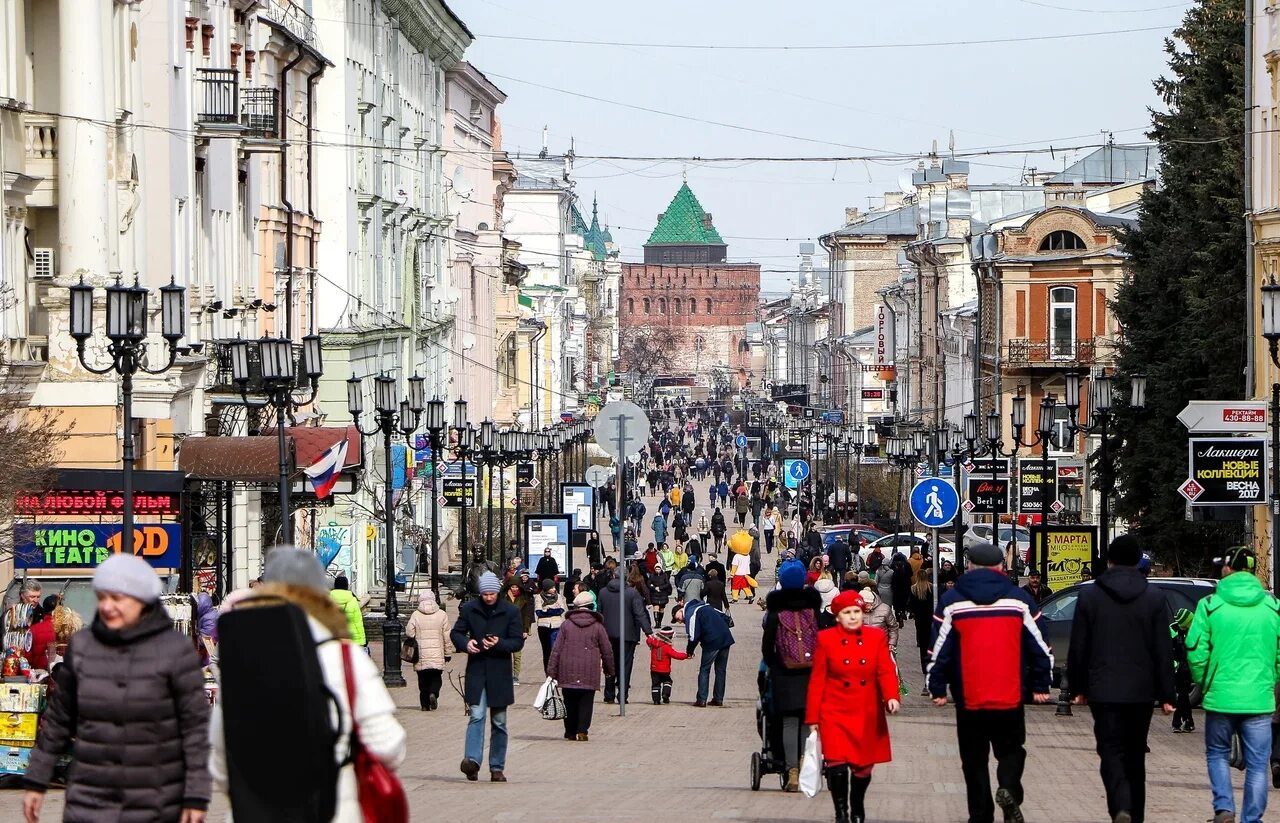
{"x": 711, "y": 302}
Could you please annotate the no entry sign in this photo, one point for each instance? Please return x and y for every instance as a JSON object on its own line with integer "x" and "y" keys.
{"x": 1230, "y": 471}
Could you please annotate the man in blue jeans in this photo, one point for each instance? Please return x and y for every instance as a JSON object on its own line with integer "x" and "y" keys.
{"x": 709, "y": 627}
{"x": 1232, "y": 649}
{"x": 489, "y": 632}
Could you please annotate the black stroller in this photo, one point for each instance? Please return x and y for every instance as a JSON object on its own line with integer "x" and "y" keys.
{"x": 769, "y": 759}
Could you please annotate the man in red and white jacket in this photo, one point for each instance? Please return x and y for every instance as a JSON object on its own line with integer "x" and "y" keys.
{"x": 988, "y": 647}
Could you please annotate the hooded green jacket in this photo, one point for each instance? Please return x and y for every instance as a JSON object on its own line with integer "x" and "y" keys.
{"x": 350, "y": 605}
{"x": 1233, "y": 647}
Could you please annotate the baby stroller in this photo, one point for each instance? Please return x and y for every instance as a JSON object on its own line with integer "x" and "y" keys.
{"x": 769, "y": 759}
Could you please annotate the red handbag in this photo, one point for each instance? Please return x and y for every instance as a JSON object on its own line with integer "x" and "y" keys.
{"x": 382, "y": 798}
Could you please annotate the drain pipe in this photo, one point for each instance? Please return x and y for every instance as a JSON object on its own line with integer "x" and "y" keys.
{"x": 284, "y": 191}
{"x": 311, "y": 195}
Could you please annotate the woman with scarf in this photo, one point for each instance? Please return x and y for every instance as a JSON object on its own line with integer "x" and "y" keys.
{"x": 548, "y": 611}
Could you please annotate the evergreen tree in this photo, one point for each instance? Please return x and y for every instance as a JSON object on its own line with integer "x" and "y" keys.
{"x": 1182, "y": 305}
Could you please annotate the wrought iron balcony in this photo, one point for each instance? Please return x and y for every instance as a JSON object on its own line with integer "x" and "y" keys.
{"x": 220, "y": 96}
{"x": 1056, "y": 354}
{"x": 224, "y": 103}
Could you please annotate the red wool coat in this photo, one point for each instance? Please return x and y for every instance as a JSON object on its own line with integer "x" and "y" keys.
{"x": 853, "y": 677}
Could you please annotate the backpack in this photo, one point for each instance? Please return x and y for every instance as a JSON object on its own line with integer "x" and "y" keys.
{"x": 796, "y": 638}
{"x": 273, "y": 689}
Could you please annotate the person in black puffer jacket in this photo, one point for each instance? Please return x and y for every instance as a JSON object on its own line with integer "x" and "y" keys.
{"x": 790, "y": 685}
{"x": 131, "y": 695}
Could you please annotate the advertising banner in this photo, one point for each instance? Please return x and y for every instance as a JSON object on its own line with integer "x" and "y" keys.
{"x": 1229, "y": 471}
{"x": 458, "y": 493}
{"x": 543, "y": 531}
{"x": 1062, "y": 553}
{"x": 578, "y": 501}
{"x": 884, "y": 337}
{"x": 94, "y": 503}
{"x": 524, "y": 476}
{"x": 1034, "y": 477}
{"x": 984, "y": 465}
{"x": 989, "y": 496}
{"x": 81, "y": 546}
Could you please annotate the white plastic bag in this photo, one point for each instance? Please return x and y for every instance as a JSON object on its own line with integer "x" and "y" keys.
{"x": 543, "y": 693}
{"x": 811, "y": 769}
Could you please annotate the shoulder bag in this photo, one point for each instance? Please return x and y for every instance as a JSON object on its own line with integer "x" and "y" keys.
{"x": 382, "y": 798}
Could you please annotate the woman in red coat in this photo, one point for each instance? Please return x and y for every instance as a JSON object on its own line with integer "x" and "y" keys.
{"x": 854, "y": 682}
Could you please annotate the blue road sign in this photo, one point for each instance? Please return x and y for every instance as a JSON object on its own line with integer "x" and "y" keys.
{"x": 795, "y": 472}
{"x": 740, "y": 441}
{"x": 934, "y": 503}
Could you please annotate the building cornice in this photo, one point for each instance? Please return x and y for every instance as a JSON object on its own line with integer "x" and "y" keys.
{"x": 432, "y": 27}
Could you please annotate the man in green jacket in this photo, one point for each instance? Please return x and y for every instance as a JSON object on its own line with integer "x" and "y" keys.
{"x": 350, "y": 605}
{"x": 1233, "y": 647}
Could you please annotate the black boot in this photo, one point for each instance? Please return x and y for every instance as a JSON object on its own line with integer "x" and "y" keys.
{"x": 857, "y": 797}
{"x": 666, "y": 692}
{"x": 656, "y": 691}
{"x": 838, "y": 783}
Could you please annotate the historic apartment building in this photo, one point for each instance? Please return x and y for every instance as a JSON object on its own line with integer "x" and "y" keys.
{"x": 686, "y": 285}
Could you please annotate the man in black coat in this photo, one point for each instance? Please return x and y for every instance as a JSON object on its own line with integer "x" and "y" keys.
{"x": 1120, "y": 663}
{"x": 547, "y": 568}
{"x": 841, "y": 557}
{"x": 624, "y": 631}
{"x": 489, "y": 632}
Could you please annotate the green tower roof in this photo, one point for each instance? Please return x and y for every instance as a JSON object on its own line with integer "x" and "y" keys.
{"x": 684, "y": 223}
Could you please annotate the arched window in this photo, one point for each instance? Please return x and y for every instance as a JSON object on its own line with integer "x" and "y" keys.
{"x": 631, "y": 305}
{"x": 693, "y": 305}
{"x": 1062, "y": 322}
{"x": 675, "y": 305}
{"x": 709, "y": 305}
{"x": 1062, "y": 240}
{"x": 646, "y": 305}
{"x": 662, "y": 305}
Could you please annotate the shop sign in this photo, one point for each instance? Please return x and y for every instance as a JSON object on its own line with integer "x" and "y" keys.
{"x": 524, "y": 475}
{"x": 873, "y": 394}
{"x": 989, "y": 496}
{"x": 1034, "y": 477}
{"x": 94, "y": 503}
{"x": 1230, "y": 471}
{"x": 988, "y": 465}
{"x": 458, "y": 493}
{"x": 82, "y": 546}
{"x": 1062, "y": 553}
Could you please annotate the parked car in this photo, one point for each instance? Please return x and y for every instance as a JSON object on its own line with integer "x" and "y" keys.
{"x": 865, "y": 533}
{"x": 1059, "y": 609}
{"x": 1006, "y": 532}
{"x": 906, "y": 542}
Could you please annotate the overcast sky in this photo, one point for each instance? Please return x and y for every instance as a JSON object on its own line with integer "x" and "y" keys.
{"x": 843, "y": 103}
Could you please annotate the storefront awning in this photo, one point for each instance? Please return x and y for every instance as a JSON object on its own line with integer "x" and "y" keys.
{"x": 239, "y": 459}
{"x": 313, "y": 441}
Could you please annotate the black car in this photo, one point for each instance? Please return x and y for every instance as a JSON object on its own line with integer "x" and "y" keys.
{"x": 1058, "y": 610}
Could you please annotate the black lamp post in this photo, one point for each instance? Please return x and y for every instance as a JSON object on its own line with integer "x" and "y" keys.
{"x": 465, "y": 441}
{"x": 1271, "y": 331}
{"x": 127, "y": 316}
{"x": 488, "y": 458}
{"x": 279, "y": 382}
{"x": 505, "y": 456}
{"x": 435, "y": 425}
{"x": 1103, "y": 413}
{"x": 391, "y": 418}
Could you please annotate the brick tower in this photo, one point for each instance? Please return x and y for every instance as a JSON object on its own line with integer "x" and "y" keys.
{"x": 685, "y": 286}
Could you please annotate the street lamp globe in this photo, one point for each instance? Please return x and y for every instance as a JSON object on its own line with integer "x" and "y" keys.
{"x": 1271, "y": 315}
{"x": 1138, "y": 391}
{"x": 238, "y": 352}
{"x": 172, "y": 311}
{"x": 417, "y": 394}
{"x": 81, "y": 311}
{"x": 459, "y": 413}
{"x": 435, "y": 414}
{"x": 384, "y": 393}
{"x": 971, "y": 427}
{"x": 1104, "y": 393}
{"x": 355, "y": 396}
{"x": 312, "y": 362}
{"x": 1071, "y": 392}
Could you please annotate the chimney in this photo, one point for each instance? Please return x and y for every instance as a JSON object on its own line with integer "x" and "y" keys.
{"x": 892, "y": 200}
{"x": 706, "y": 221}
{"x": 851, "y": 214}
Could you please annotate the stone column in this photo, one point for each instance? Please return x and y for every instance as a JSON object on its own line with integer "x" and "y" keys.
{"x": 83, "y": 173}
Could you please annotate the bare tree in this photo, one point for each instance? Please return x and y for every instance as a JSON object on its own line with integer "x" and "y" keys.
{"x": 646, "y": 350}
{"x": 30, "y": 448}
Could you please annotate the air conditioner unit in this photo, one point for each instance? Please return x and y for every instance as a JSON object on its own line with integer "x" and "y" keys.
{"x": 44, "y": 264}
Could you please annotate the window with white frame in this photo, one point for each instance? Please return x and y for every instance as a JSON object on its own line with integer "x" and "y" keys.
{"x": 1062, "y": 322}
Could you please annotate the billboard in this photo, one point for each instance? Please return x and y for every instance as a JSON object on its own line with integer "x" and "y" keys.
{"x": 1062, "y": 553}
{"x": 578, "y": 501}
{"x": 543, "y": 531}
{"x": 85, "y": 546}
{"x": 1227, "y": 471}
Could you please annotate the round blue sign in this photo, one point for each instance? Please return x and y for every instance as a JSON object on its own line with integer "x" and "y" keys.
{"x": 934, "y": 502}
{"x": 740, "y": 441}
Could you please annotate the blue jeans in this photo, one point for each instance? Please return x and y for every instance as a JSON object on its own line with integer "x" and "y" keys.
{"x": 720, "y": 659}
{"x": 475, "y": 735}
{"x": 1255, "y": 734}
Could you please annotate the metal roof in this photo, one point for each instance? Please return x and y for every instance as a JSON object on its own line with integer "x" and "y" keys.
{"x": 991, "y": 203}
{"x": 899, "y": 222}
{"x": 1112, "y": 164}
{"x": 540, "y": 173}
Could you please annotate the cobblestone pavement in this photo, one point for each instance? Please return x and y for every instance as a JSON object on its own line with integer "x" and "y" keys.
{"x": 679, "y": 762}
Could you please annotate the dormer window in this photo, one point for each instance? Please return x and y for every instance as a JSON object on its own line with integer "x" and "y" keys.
{"x": 1062, "y": 240}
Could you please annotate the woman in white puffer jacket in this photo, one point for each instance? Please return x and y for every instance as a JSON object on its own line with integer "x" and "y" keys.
{"x": 429, "y": 626}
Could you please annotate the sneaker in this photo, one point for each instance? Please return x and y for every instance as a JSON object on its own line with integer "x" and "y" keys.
{"x": 470, "y": 768}
{"x": 497, "y": 777}
{"x": 1012, "y": 814}
{"x": 515, "y": 681}
{"x": 924, "y": 692}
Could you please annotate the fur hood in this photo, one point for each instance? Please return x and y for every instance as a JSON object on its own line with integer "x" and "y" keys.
{"x": 315, "y": 604}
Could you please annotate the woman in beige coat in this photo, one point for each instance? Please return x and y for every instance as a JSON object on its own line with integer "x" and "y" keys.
{"x": 429, "y": 626}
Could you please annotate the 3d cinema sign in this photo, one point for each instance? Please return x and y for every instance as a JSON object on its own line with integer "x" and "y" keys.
{"x": 81, "y": 546}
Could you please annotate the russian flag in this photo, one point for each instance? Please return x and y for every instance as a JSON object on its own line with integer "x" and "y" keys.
{"x": 323, "y": 473}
